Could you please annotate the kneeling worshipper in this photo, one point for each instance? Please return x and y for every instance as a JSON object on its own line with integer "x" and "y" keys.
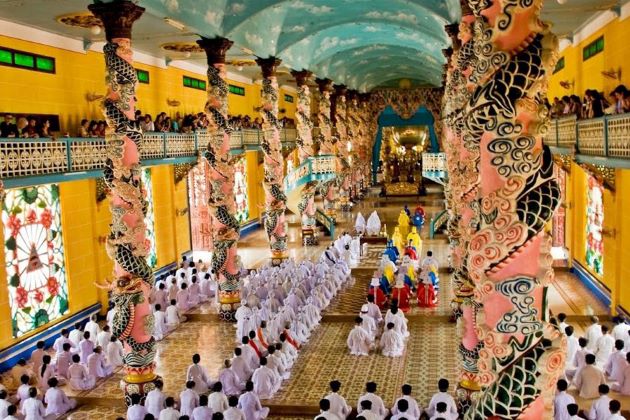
{"x": 426, "y": 292}
{"x": 430, "y": 263}
{"x": 79, "y": 377}
{"x": 359, "y": 224}
{"x": 359, "y": 340}
{"x": 397, "y": 317}
{"x": 391, "y": 251}
{"x": 266, "y": 381}
{"x": 398, "y": 241}
{"x": 403, "y": 223}
{"x": 373, "y": 226}
{"x": 369, "y": 324}
{"x": 401, "y": 293}
{"x": 249, "y": 403}
{"x": 380, "y": 298}
{"x": 392, "y": 343}
{"x": 415, "y": 239}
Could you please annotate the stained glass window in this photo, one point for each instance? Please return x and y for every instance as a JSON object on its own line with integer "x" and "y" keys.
{"x": 34, "y": 257}
{"x": 240, "y": 190}
{"x": 149, "y": 220}
{"x": 594, "y": 226}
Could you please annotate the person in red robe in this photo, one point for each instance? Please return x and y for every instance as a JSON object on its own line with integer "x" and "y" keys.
{"x": 252, "y": 337}
{"x": 410, "y": 251}
{"x": 426, "y": 294}
{"x": 380, "y": 298}
{"x": 401, "y": 293}
{"x": 290, "y": 339}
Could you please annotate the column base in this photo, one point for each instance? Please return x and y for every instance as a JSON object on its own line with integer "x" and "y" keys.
{"x": 332, "y": 213}
{"x": 138, "y": 384}
{"x": 308, "y": 236}
{"x": 229, "y": 301}
{"x": 278, "y": 257}
{"x": 464, "y": 394}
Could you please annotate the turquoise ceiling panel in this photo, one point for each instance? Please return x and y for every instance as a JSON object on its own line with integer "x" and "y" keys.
{"x": 357, "y": 42}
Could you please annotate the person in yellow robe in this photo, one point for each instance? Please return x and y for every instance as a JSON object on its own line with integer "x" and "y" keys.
{"x": 399, "y": 240}
{"x": 403, "y": 224}
{"x": 414, "y": 237}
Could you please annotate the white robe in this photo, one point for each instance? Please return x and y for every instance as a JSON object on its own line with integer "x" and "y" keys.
{"x": 234, "y": 413}
{"x": 338, "y": 405}
{"x": 414, "y": 410}
{"x": 169, "y": 413}
{"x": 76, "y": 335}
{"x": 265, "y": 382}
{"x": 103, "y": 339}
{"x": 198, "y": 374}
{"x": 232, "y": 385}
{"x": 392, "y": 343}
{"x": 359, "y": 341}
{"x": 599, "y": 409}
{"x": 250, "y": 404}
{"x": 172, "y": 317}
{"x": 94, "y": 329}
{"x": 57, "y": 402}
{"x": 136, "y": 412}
{"x": 80, "y": 379}
{"x": 97, "y": 366}
{"x": 592, "y": 335}
{"x": 378, "y": 407}
{"x": 155, "y": 402}
{"x": 218, "y": 402}
{"x": 444, "y": 397}
{"x": 115, "y": 354}
{"x": 615, "y": 365}
{"x": 188, "y": 400}
{"x": 604, "y": 348}
{"x": 560, "y": 402}
{"x": 33, "y": 409}
{"x": 201, "y": 413}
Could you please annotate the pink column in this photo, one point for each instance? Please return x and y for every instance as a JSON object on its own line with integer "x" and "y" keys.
{"x": 326, "y": 143}
{"x": 344, "y": 170}
{"x": 225, "y": 226}
{"x": 126, "y": 245}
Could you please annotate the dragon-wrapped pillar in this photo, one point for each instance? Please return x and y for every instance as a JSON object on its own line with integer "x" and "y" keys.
{"x": 326, "y": 143}
{"x": 126, "y": 244}
{"x": 343, "y": 153}
{"x": 275, "y": 198}
{"x": 508, "y": 256}
{"x": 353, "y": 135}
{"x": 225, "y": 226}
{"x": 304, "y": 128}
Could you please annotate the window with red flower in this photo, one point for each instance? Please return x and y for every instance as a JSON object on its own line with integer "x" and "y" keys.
{"x": 34, "y": 257}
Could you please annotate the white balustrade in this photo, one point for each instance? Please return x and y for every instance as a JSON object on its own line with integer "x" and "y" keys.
{"x": 591, "y": 137}
{"x": 434, "y": 162}
{"x": 23, "y": 157}
{"x": 619, "y": 136}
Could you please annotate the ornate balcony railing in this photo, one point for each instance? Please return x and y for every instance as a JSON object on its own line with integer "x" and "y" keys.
{"x": 29, "y": 161}
{"x": 313, "y": 169}
{"x": 606, "y": 137}
{"x": 434, "y": 167}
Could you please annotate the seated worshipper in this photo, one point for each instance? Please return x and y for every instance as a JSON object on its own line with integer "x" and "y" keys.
{"x": 136, "y": 411}
{"x": 188, "y": 399}
{"x": 86, "y": 347}
{"x": 604, "y": 347}
{"x": 288, "y": 337}
{"x": 195, "y": 292}
{"x": 378, "y": 407}
{"x": 183, "y": 298}
{"x": 391, "y": 251}
{"x": 233, "y": 412}
{"x": 57, "y": 403}
{"x": 338, "y": 405}
{"x": 403, "y": 224}
{"x": 240, "y": 365}
{"x": 266, "y": 382}
{"x": 373, "y": 226}
{"x": 63, "y": 361}
{"x": 441, "y": 412}
{"x": 442, "y": 396}
{"x": 78, "y": 375}
{"x": 114, "y": 353}
{"x": 198, "y": 375}
{"x": 359, "y": 224}
{"x": 22, "y": 391}
{"x": 103, "y": 337}
{"x": 600, "y": 407}
{"x": 58, "y": 344}
{"x": 392, "y": 342}
{"x": 243, "y": 315}
{"x": 160, "y": 296}
{"x": 367, "y": 412}
{"x": 46, "y": 371}
{"x": 623, "y": 386}
{"x": 324, "y": 411}
{"x": 426, "y": 293}
{"x": 255, "y": 344}
{"x": 616, "y": 362}
{"x": 572, "y": 348}
{"x": 160, "y": 327}
{"x": 418, "y": 217}
{"x": 588, "y": 379}
{"x": 375, "y": 290}
{"x": 249, "y": 403}
{"x": 413, "y": 410}
{"x": 32, "y": 407}
{"x": 397, "y": 317}
{"x": 93, "y": 328}
{"x": 232, "y": 384}
{"x": 275, "y": 363}
{"x": 373, "y": 310}
{"x": 97, "y": 365}
{"x": 593, "y": 332}
{"x": 621, "y": 328}
{"x": 217, "y": 400}
{"x": 202, "y": 411}
{"x": 562, "y": 400}
{"x": 288, "y": 349}
{"x": 249, "y": 354}
{"x": 398, "y": 241}
{"x": 410, "y": 250}
{"x": 169, "y": 412}
{"x": 76, "y": 334}
{"x": 615, "y": 407}
{"x": 430, "y": 264}
{"x": 173, "y": 317}
{"x": 359, "y": 340}
{"x": 37, "y": 356}
{"x": 401, "y": 293}
{"x": 368, "y": 322}
{"x": 155, "y": 399}
{"x": 415, "y": 239}
{"x": 579, "y": 360}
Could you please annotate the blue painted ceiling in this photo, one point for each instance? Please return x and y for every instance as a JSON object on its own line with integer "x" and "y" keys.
{"x": 361, "y": 43}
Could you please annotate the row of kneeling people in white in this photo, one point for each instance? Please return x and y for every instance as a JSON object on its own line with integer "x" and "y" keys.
{"x": 272, "y": 325}
{"x": 370, "y": 405}
{"x": 366, "y": 334}
{"x": 596, "y": 365}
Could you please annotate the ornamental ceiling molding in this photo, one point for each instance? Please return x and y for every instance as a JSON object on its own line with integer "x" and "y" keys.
{"x": 84, "y": 20}
{"x": 406, "y": 102}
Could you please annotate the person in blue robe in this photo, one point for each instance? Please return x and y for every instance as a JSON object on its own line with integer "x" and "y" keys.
{"x": 385, "y": 287}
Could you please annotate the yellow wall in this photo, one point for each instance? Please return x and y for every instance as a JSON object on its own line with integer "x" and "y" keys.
{"x": 588, "y": 74}
{"x": 77, "y": 74}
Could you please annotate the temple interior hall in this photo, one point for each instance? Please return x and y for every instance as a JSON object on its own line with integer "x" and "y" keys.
{"x": 314, "y": 209}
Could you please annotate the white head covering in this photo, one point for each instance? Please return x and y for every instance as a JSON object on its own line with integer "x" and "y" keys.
{"x": 375, "y": 282}
{"x": 373, "y": 224}
{"x": 364, "y": 309}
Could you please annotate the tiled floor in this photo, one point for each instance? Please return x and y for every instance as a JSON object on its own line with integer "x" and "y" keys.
{"x": 430, "y": 352}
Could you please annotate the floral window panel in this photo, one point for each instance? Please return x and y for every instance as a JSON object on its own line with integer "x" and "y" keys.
{"x": 594, "y": 226}
{"x": 34, "y": 257}
{"x": 240, "y": 190}
{"x": 149, "y": 220}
